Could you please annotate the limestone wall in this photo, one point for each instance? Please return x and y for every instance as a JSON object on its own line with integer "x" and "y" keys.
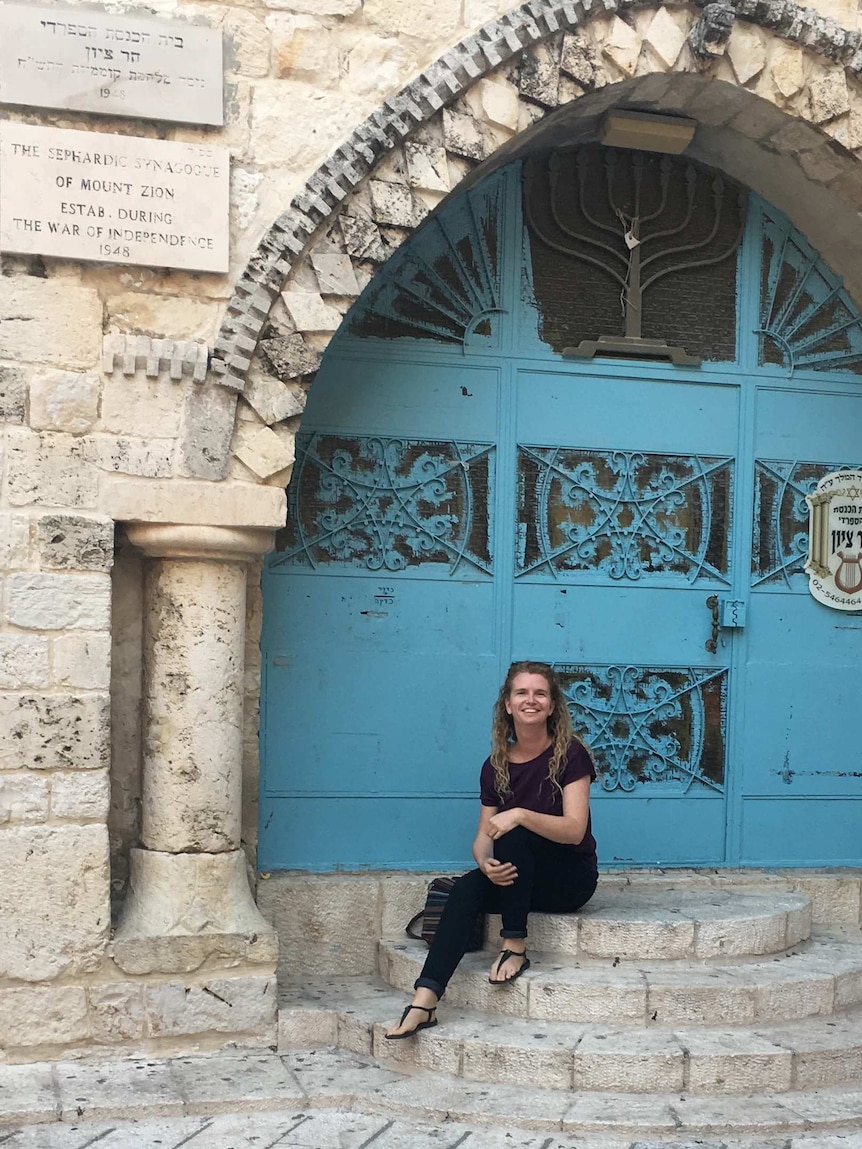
{"x": 109, "y": 415}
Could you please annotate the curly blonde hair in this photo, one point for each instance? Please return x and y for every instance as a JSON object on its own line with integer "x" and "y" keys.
{"x": 503, "y": 726}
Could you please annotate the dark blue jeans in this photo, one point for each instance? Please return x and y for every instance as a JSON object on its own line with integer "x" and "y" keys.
{"x": 552, "y": 878}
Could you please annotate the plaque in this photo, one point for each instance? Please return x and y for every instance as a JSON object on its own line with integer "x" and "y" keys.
{"x": 113, "y": 199}
{"x": 81, "y": 60}
{"x": 835, "y": 540}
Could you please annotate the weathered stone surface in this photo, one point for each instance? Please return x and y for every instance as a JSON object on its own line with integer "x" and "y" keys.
{"x": 280, "y": 140}
{"x": 246, "y": 43}
{"x": 540, "y": 74}
{"x": 74, "y": 542}
{"x": 178, "y": 317}
{"x": 136, "y": 406}
{"x": 463, "y": 135}
{"x": 427, "y": 166}
{"x": 746, "y": 50}
{"x": 53, "y": 901}
{"x": 319, "y": 7}
{"x": 54, "y": 321}
{"x": 14, "y": 540}
{"x": 151, "y": 458}
{"x": 265, "y": 453}
{"x": 335, "y": 275}
{"x": 322, "y": 933}
{"x": 665, "y": 36}
{"x": 580, "y": 60}
{"x": 305, "y": 48}
{"x": 83, "y": 796}
{"x": 787, "y": 69}
{"x": 185, "y": 501}
{"x": 64, "y": 401}
{"x": 23, "y": 661}
{"x": 424, "y": 19}
{"x": 127, "y": 1089}
{"x": 288, "y": 357}
{"x": 309, "y": 312}
{"x": 274, "y": 401}
{"x": 208, "y": 421}
{"x": 362, "y": 238}
{"x": 57, "y": 601}
{"x": 13, "y": 394}
{"x": 82, "y": 660}
{"x": 54, "y": 731}
{"x": 116, "y": 1011}
{"x": 500, "y": 104}
{"x": 23, "y": 797}
{"x": 710, "y": 33}
{"x": 50, "y": 1015}
{"x": 622, "y": 46}
{"x": 394, "y": 204}
{"x": 828, "y": 96}
{"x": 220, "y": 1005}
{"x": 48, "y": 470}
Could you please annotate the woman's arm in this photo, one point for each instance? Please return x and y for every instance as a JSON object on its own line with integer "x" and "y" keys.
{"x": 500, "y": 873}
{"x": 569, "y": 827}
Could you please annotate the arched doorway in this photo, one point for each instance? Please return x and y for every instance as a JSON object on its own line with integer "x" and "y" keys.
{"x": 473, "y": 485}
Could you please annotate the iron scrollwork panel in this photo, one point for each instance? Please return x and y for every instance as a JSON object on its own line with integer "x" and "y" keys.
{"x": 651, "y": 727}
{"x": 623, "y": 515}
{"x": 780, "y": 527}
{"x": 389, "y": 504}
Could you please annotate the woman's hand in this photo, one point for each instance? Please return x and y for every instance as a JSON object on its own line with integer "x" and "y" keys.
{"x": 501, "y": 824}
{"x": 500, "y": 873}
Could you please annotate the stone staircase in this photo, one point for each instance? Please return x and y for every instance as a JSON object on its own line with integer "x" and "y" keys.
{"x": 670, "y": 1008}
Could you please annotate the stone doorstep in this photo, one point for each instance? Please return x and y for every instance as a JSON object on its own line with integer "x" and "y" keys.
{"x": 673, "y": 922}
{"x": 79, "y": 1095}
{"x": 774, "y": 1059}
{"x": 823, "y": 976}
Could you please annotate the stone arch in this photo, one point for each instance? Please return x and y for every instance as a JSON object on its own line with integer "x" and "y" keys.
{"x": 775, "y": 89}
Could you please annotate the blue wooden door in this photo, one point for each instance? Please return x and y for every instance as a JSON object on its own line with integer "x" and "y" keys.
{"x": 465, "y": 495}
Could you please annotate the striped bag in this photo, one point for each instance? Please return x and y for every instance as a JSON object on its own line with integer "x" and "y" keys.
{"x": 429, "y": 918}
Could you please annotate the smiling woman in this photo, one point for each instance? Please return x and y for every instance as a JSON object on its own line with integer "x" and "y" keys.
{"x": 534, "y": 847}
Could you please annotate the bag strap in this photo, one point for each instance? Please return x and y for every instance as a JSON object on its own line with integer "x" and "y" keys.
{"x": 410, "y": 928}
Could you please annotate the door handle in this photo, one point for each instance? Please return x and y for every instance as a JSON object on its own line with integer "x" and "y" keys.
{"x": 711, "y": 643}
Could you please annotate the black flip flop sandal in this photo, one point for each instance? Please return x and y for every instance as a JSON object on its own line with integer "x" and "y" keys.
{"x": 503, "y": 958}
{"x": 429, "y": 1024}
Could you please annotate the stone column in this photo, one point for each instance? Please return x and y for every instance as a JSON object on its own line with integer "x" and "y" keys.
{"x": 189, "y": 899}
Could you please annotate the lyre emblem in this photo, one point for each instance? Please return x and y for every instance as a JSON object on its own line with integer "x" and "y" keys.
{"x": 841, "y": 580}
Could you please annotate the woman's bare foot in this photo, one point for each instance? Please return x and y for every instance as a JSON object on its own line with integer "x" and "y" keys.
{"x": 511, "y": 963}
{"x": 420, "y": 1014}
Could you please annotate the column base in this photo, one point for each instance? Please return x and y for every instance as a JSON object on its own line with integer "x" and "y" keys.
{"x": 188, "y": 912}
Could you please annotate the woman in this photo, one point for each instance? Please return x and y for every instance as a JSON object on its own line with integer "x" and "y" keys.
{"x": 534, "y": 848}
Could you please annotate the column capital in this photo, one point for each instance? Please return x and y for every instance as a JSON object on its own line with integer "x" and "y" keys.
{"x": 204, "y": 543}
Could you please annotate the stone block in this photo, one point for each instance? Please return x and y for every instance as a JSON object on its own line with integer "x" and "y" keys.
{"x": 319, "y": 7}
{"x": 605, "y": 937}
{"x": 287, "y": 357}
{"x": 150, "y": 458}
{"x": 273, "y": 400}
{"x": 281, "y": 114}
{"x": 82, "y": 796}
{"x": 82, "y": 661}
{"x": 55, "y": 321}
{"x": 136, "y": 405}
{"x": 539, "y": 78}
{"x": 787, "y": 68}
{"x": 463, "y": 135}
{"x": 303, "y": 48}
{"x": 54, "y": 731}
{"x": 265, "y": 453}
{"x": 335, "y": 275}
{"x": 791, "y": 997}
{"x": 74, "y": 542}
{"x": 23, "y": 797}
{"x": 318, "y": 928}
{"x": 746, "y": 50}
{"x": 427, "y": 166}
{"x": 27, "y": 1093}
{"x": 197, "y": 503}
{"x": 593, "y": 996}
{"x": 64, "y": 401}
{"x": 630, "y": 1061}
{"x": 362, "y": 238}
{"x": 208, "y": 421}
{"x": 129, "y": 1088}
{"x": 424, "y": 19}
{"x": 237, "y": 1082}
{"x": 714, "y": 999}
{"x": 13, "y": 394}
{"x": 14, "y": 541}
{"x": 53, "y": 900}
{"x": 354, "y": 1033}
{"x": 665, "y": 36}
{"x": 622, "y": 46}
{"x": 307, "y": 1028}
{"x": 530, "y": 1063}
{"x": 24, "y": 661}
{"x": 309, "y": 311}
{"x": 116, "y": 1011}
{"x": 394, "y": 205}
{"x": 59, "y": 601}
{"x": 48, "y": 470}
{"x": 736, "y": 1063}
{"x": 400, "y": 898}
{"x": 43, "y": 1015}
{"x": 828, "y": 95}
{"x": 836, "y": 899}
{"x": 579, "y": 60}
{"x": 179, "y": 317}
{"x": 219, "y": 1005}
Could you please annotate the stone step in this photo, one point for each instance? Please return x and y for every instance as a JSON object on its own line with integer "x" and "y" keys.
{"x": 817, "y": 1053}
{"x": 672, "y": 921}
{"x": 821, "y": 977}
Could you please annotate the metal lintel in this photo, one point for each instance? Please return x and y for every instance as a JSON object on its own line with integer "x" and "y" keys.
{"x": 631, "y": 347}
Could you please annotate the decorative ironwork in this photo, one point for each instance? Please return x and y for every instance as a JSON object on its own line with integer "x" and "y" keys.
{"x": 780, "y": 529}
{"x": 446, "y": 283}
{"x": 649, "y": 725}
{"x": 623, "y": 514}
{"x": 636, "y": 217}
{"x": 807, "y": 320}
{"x": 388, "y": 504}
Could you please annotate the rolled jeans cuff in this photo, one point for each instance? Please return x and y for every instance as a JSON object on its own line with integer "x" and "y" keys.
{"x": 513, "y": 933}
{"x": 429, "y": 983}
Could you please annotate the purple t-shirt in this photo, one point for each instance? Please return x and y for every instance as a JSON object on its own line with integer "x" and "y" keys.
{"x": 533, "y": 790}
